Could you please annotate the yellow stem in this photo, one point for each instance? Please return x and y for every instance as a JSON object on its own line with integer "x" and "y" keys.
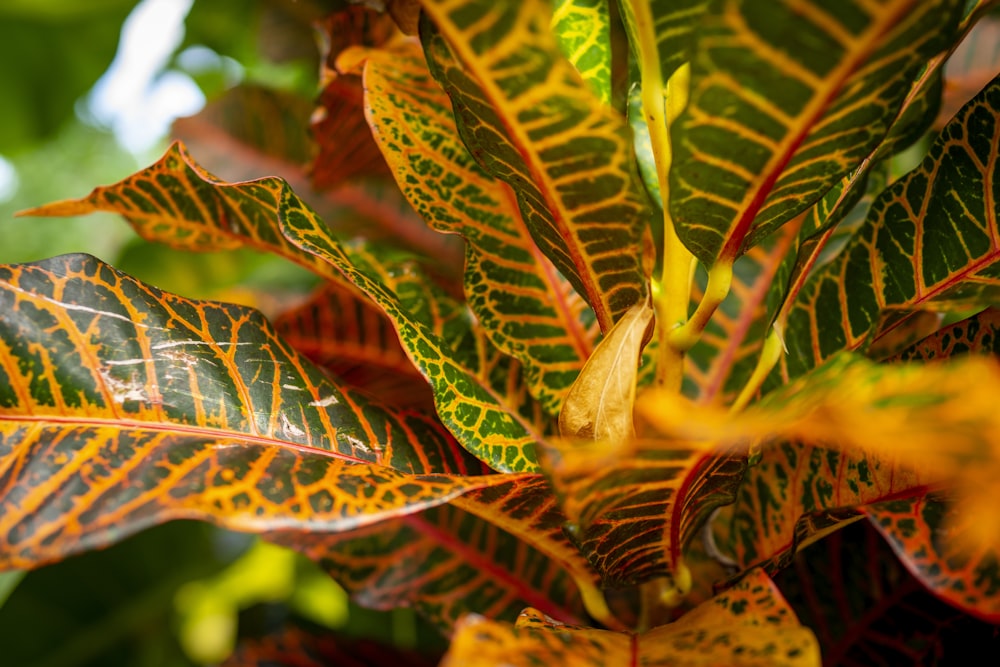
{"x": 720, "y": 279}
{"x": 769, "y": 355}
{"x": 597, "y": 605}
{"x": 662, "y": 102}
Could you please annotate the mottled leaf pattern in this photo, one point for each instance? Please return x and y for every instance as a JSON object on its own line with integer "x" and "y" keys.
{"x": 750, "y": 624}
{"x": 787, "y": 98}
{"x": 797, "y": 493}
{"x": 866, "y": 609}
{"x": 926, "y": 534}
{"x": 564, "y": 154}
{"x": 930, "y": 241}
{"x": 634, "y": 505}
{"x": 582, "y": 29}
{"x": 444, "y": 564}
{"x": 526, "y": 307}
{"x": 176, "y": 202}
{"x": 979, "y": 334}
{"x": 122, "y": 406}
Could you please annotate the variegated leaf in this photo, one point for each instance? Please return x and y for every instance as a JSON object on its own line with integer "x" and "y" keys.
{"x": 750, "y": 624}
{"x": 927, "y": 535}
{"x": 582, "y": 29}
{"x": 786, "y": 99}
{"x": 122, "y": 406}
{"x": 930, "y": 242}
{"x": 176, "y": 202}
{"x": 565, "y": 155}
{"x": 528, "y": 310}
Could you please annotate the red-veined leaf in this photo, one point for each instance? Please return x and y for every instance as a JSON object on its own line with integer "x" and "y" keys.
{"x": 976, "y": 335}
{"x": 927, "y": 535}
{"x": 528, "y": 310}
{"x": 444, "y": 563}
{"x": 866, "y": 609}
{"x": 748, "y": 625}
{"x": 930, "y": 242}
{"x": 785, "y": 100}
{"x": 176, "y": 202}
{"x": 346, "y": 334}
{"x": 634, "y": 505}
{"x": 579, "y": 197}
{"x": 122, "y": 406}
{"x": 938, "y": 419}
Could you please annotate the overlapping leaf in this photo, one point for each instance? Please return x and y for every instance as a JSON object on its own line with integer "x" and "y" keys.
{"x": 531, "y": 121}
{"x": 930, "y": 242}
{"x": 123, "y": 406}
{"x": 974, "y": 335}
{"x": 528, "y": 310}
{"x": 785, "y": 100}
{"x": 866, "y": 609}
{"x": 349, "y": 336}
{"x": 750, "y": 624}
{"x": 634, "y": 505}
{"x": 797, "y": 493}
{"x": 444, "y": 564}
{"x": 927, "y": 535}
{"x": 176, "y": 202}
{"x": 934, "y": 418}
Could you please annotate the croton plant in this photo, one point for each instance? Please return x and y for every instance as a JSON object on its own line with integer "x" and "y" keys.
{"x": 705, "y": 322}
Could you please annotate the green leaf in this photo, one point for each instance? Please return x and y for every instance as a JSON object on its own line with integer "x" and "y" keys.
{"x": 444, "y": 563}
{"x": 866, "y": 608}
{"x": 635, "y": 505}
{"x": 785, "y": 100}
{"x": 176, "y": 202}
{"x": 527, "y": 309}
{"x": 926, "y": 534}
{"x": 348, "y": 335}
{"x": 750, "y": 624}
{"x": 930, "y": 242}
{"x": 122, "y": 406}
{"x": 565, "y": 155}
{"x": 582, "y": 29}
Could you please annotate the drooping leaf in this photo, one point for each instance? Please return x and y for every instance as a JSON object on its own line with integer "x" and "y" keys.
{"x": 929, "y": 242}
{"x": 528, "y": 310}
{"x": 444, "y": 564}
{"x": 349, "y": 336}
{"x": 866, "y": 609}
{"x": 934, "y": 418}
{"x": 634, "y": 505}
{"x": 927, "y": 535}
{"x": 797, "y": 493}
{"x": 750, "y": 624}
{"x": 785, "y": 100}
{"x": 599, "y": 405}
{"x": 565, "y": 155}
{"x": 176, "y": 202}
{"x": 122, "y": 406}
{"x": 582, "y": 29}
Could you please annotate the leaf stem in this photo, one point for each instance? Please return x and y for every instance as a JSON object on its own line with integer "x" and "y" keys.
{"x": 769, "y": 355}
{"x": 597, "y": 605}
{"x": 720, "y": 279}
{"x": 661, "y": 105}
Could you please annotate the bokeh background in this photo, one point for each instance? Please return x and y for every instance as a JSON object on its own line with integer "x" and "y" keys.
{"x": 89, "y": 92}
